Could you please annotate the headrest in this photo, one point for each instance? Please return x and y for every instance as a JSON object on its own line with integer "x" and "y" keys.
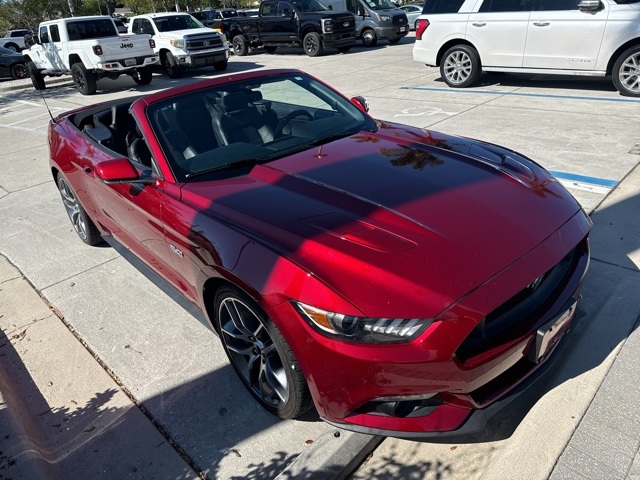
{"x": 234, "y": 101}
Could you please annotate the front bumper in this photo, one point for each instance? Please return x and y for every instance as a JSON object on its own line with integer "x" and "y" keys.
{"x": 392, "y": 31}
{"x": 339, "y": 39}
{"x": 206, "y": 59}
{"x": 450, "y": 378}
{"x": 126, "y": 64}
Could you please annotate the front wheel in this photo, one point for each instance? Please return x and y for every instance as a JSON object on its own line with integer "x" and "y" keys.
{"x": 82, "y": 224}
{"x": 460, "y": 66}
{"x": 369, "y": 38}
{"x": 260, "y": 355}
{"x": 19, "y": 71}
{"x": 312, "y": 44}
{"x": 170, "y": 66}
{"x": 239, "y": 44}
{"x": 626, "y": 73}
{"x": 83, "y": 79}
{"x": 37, "y": 79}
{"x": 143, "y": 76}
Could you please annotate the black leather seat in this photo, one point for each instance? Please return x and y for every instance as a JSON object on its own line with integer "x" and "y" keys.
{"x": 240, "y": 120}
{"x": 137, "y": 149}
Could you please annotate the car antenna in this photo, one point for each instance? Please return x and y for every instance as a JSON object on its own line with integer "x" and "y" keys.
{"x": 45, "y": 104}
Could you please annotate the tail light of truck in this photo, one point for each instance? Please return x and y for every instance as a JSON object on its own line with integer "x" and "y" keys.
{"x": 422, "y": 25}
{"x": 97, "y": 50}
{"x": 152, "y": 43}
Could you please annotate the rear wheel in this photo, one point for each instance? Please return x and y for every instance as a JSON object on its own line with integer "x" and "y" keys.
{"x": 626, "y": 72}
{"x": 19, "y": 71}
{"x": 460, "y": 66}
{"x": 84, "y": 80}
{"x": 37, "y": 79}
{"x": 220, "y": 66}
{"x": 239, "y": 44}
{"x": 369, "y": 38}
{"x": 81, "y": 222}
{"x": 12, "y": 46}
{"x": 312, "y": 44}
{"x": 260, "y": 355}
{"x": 143, "y": 76}
{"x": 170, "y": 66}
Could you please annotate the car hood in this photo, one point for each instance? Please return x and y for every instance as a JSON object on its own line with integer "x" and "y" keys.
{"x": 396, "y": 221}
{"x": 179, "y": 34}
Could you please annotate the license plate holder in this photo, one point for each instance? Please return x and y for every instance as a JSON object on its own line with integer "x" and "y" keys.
{"x": 129, "y": 62}
{"x": 549, "y": 334}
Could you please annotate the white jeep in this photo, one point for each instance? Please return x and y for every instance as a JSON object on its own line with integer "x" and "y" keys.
{"x": 88, "y": 48}
{"x": 567, "y": 37}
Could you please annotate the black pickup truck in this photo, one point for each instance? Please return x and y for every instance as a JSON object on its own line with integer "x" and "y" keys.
{"x": 287, "y": 23}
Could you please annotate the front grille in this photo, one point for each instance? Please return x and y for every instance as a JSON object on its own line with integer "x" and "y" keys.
{"x": 525, "y": 311}
{"x": 202, "y": 42}
{"x": 400, "y": 20}
{"x": 339, "y": 23}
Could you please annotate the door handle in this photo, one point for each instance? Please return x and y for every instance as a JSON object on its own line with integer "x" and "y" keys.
{"x": 479, "y": 24}
{"x": 541, "y": 24}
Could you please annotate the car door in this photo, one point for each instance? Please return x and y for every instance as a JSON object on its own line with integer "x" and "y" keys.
{"x": 560, "y": 36}
{"x": 498, "y": 30}
{"x": 268, "y": 21}
{"x": 51, "y": 47}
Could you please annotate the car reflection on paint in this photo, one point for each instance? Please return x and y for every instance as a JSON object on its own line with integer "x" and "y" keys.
{"x": 399, "y": 280}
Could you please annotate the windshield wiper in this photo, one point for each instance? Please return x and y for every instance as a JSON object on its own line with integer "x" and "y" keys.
{"x": 228, "y": 165}
{"x": 335, "y": 136}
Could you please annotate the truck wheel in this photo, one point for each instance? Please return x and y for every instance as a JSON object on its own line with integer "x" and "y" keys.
{"x": 36, "y": 77}
{"x": 142, "y": 76}
{"x": 239, "y": 44}
{"x": 170, "y": 65}
{"x": 395, "y": 40}
{"x": 626, "y": 73}
{"x": 312, "y": 44}
{"x": 220, "y": 66}
{"x": 84, "y": 80}
{"x": 369, "y": 38}
{"x": 460, "y": 66}
{"x": 12, "y": 46}
{"x": 270, "y": 49}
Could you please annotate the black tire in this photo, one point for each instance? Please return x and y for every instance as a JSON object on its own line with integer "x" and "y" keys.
{"x": 260, "y": 355}
{"x": 344, "y": 49}
{"x": 221, "y": 66}
{"x": 84, "y": 80}
{"x": 460, "y": 66}
{"x": 19, "y": 71}
{"x": 312, "y": 44}
{"x": 270, "y": 49}
{"x": 37, "y": 79}
{"x": 170, "y": 66}
{"x": 143, "y": 76}
{"x": 239, "y": 44}
{"x": 12, "y": 46}
{"x": 369, "y": 38}
{"x": 626, "y": 72}
{"x": 82, "y": 224}
{"x": 394, "y": 40}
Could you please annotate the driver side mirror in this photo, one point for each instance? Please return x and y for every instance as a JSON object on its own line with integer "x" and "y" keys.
{"x": 120, "y": 170}
{"x": 361, "y": 103}
{"x": 589, "y": 5}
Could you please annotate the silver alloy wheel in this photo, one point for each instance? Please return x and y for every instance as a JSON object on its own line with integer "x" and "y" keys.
{"x": 629, "y": 73}
{"x": 458, "y": 67}
{"x": 73, "y": 208}
{"x": 253, "y": 352}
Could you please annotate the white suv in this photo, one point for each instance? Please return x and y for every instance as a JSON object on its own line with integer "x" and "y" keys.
{"x": 568, "y": 37}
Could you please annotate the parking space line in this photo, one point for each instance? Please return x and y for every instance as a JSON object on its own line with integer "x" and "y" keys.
{"x": 520, "y": 94}
{"x": 585, "y": 183}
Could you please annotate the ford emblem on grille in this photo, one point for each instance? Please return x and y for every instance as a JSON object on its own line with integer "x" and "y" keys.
{"x": 345, "y": 24}
{"x": 205, "y": 43}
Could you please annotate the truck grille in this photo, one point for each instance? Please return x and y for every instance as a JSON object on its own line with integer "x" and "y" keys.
{"x": 193, "y": 43}
{"x": 400, "y": 20}
{"x": 344, "y": 24}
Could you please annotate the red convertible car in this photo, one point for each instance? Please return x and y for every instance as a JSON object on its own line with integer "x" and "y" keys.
{"x": 402, "y": 281}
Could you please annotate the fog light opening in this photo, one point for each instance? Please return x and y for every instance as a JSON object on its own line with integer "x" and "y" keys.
{"x": 402, "y": 408}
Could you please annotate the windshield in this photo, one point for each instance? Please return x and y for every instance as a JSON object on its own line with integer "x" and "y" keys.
{"x": 225, "y": 130}
{"x": 310, "y": 6}
{"x": 176, "y": 22}
{"x": 380, "y": 4}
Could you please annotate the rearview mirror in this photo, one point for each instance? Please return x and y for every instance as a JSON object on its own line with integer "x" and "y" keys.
{"x": 120, "y": 170}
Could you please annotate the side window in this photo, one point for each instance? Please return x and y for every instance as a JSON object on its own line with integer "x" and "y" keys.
{"x": 55, "y": 34}
{"x": 135, "y": 27}
{"x": 505, "y": 6}
{"x": 442, "y": 6}
{"x": 284, "y": 9}
{"x": 546, "y": 5}
{"x": 146, "y": 27}
{"x": 44, "y": 35}
{"x": 268, "y": 9}
{"x": 352, "y": 5}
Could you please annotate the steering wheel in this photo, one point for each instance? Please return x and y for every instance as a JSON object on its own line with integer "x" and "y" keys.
{"x": 287, "y": 120}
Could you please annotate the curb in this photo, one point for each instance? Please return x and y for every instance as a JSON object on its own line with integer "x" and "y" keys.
{"x": 28, "y": 84}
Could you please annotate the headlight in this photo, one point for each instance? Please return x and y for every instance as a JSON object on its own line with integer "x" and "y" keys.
{"x": 385, "y": 18}
{"x": 327, "y": 26}
{"x": 177, "y": 43}
{"x": 363, "y": 329}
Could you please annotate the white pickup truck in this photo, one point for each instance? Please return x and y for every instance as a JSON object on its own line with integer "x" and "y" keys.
{"x": 88, "y": 48}
{"x": 182, "y": 41}
{"x": 14, "y": 39}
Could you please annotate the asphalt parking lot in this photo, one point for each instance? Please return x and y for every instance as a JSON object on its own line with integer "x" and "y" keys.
{"x": 579, "y": 128}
